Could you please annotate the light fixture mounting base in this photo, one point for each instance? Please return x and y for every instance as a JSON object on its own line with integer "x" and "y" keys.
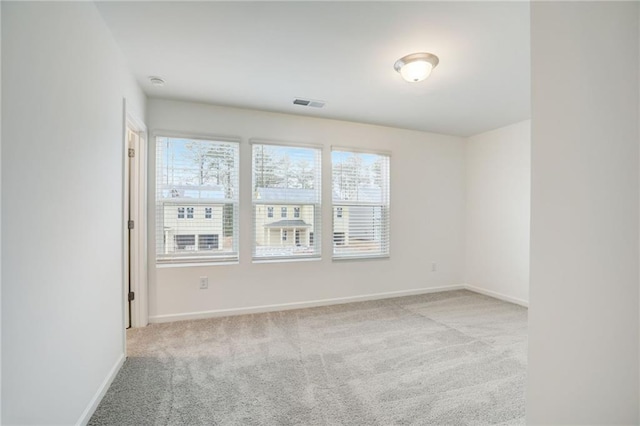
{"x": 422, "y": 56}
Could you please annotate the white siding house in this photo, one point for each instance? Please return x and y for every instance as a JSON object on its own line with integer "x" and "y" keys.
{"x": 193, "y": 220}
{"x": 285, "y": 227}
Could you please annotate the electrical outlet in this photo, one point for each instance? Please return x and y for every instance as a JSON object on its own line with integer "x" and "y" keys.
{"x": 434, "y": 266}
{"x": 204, "y": 283}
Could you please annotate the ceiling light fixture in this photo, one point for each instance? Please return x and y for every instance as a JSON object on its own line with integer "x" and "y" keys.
{"x": 417, "y": 66}
{"x": 156, "y": 81}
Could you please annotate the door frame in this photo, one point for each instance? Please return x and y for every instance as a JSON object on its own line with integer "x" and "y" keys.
{"x": 135, "y": 208}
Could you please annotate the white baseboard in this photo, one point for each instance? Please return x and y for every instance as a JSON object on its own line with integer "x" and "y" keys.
{"x": 298, "y": 305}
{"x": 497, "y": 295}
{"x": 95, "y": 401}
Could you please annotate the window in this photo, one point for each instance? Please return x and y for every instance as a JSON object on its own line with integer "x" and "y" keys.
{"x": 208, "y": 242}
{"x": 361, "y": 201}
{"x": 287, "y": 177}
{"x": 195, "y": 176}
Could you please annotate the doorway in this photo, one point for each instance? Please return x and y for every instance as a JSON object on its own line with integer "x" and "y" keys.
{"x": 135, "y": 232}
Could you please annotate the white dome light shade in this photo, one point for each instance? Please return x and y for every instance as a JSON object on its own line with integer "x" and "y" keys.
{"x": 416, "y": 67}
{"x": 416, "y": 71}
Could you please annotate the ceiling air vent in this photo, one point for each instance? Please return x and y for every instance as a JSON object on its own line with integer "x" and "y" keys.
{"x": 308, "y": 103}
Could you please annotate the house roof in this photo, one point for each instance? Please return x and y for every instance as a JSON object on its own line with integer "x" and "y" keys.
{"x": 293, "y": 195}
{"x": 365, "y": 194}
{"x": 178, "y": 192}
{"x": 297, "y": 223}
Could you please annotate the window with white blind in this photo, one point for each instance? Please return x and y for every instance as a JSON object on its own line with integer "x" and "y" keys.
{"x": 196, "y": 200}
{"x": 360, "y": 187}
{"x": 286, "y": 179}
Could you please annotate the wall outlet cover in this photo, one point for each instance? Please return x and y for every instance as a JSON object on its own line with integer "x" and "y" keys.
{"x": 204, "y": 283}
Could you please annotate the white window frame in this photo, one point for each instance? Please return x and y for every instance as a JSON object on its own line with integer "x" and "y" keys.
{"x": 385, "y": 207}
{"x": 202, "y": 258}
{"x": 317, "y": 229}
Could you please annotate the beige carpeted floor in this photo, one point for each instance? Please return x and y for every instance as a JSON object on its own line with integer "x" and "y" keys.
{"x": 451, "y": 358}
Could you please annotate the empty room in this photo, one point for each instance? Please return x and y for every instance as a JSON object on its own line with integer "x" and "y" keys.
{"x": 320, "y": 213}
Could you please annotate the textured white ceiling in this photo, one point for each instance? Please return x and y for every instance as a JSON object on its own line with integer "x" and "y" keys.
{"x": 262, "y": 55}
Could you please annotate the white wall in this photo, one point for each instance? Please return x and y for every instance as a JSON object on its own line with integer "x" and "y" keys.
{"x": 0, "y": 215}
{"x": 498, "y": 193}
{"x": 583, "y": 315}
{"x": 63, "y": 81}
{"x": 427, "y": 216}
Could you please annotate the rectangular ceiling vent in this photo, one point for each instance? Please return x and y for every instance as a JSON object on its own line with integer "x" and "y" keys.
{"x": 308, "y": 103}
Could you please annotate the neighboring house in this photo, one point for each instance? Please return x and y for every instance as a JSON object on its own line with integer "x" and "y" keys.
{"x": 192, "y": 218}
{"x": 285, "y": 217}
{"x": 341, "y": 225}
{"x": 284, "y": 225}
{"x": 357, "y": 222}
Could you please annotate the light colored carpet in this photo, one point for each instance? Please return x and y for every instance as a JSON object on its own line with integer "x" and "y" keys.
{"x": 451, "y": 358}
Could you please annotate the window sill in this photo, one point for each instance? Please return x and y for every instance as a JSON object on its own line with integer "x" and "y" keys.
{"x": 360, "y": 258}
{"x": 167, "y": 265}
{"x": 287, "y": 259}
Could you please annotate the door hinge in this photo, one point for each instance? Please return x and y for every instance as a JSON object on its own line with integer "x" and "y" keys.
{"x": 132, "y": 296}
{"x": 132, "y": 152}
{"x": 130, "y": 224}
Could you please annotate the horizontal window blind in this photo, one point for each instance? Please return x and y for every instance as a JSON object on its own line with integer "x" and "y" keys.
{"x": 196, "y": 200}
{"x": 361, "y": 202}
{"x": 286, "y": 201}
